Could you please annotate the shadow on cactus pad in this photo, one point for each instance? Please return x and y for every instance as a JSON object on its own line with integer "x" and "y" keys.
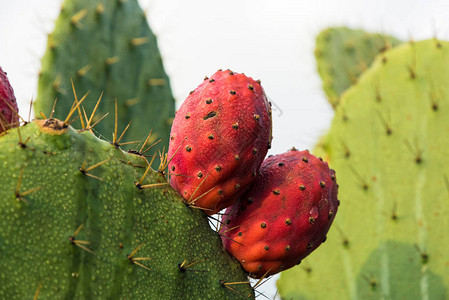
{"x": 394, "y": 271}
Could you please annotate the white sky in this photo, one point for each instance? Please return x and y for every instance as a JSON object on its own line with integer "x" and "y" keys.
{"x": 265, "y": 39}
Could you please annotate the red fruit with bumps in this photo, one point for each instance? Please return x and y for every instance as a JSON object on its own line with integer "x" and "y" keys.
{"x": 219, "y": 138}
{"x": 8, "y": 105}
{"x": 284, "y": 216}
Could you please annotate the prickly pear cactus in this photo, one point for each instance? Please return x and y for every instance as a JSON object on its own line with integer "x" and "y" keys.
{"x": 342, "y": 54}
{"x": 107, "y": 47}
{"x": 82, "y": 220}
{"x": 388, "y": 146}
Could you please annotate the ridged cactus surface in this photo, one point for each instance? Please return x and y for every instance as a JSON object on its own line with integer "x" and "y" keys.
{"x": 343, "y": 53}
{"x": 107, "y": 47}
{"x": 78, "y": 222}
{"x": 388, "y": 144}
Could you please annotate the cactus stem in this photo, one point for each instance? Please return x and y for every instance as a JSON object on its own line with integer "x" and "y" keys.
{"x": 139, "y": 41}
{"x": 76, "y": 18}
{"x": 80, "y": 243}
{"x": 19, "y": 195}
{"x": 134, "y": 260}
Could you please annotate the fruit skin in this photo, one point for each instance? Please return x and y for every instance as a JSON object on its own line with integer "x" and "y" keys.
{"x": 8, "y": 105}
{"x": 285, "y": 214}
{"x": 219, "y": 138}
{"x": 45, "y": 197}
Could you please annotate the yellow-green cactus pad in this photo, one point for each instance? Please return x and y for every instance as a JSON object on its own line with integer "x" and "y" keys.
{"x": 388, "y": 143}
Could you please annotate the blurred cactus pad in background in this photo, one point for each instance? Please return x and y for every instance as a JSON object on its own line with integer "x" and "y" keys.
{"x": 388, "y": 145}
{"x": 342, "y": 54}
{"x": 106, "y": 47}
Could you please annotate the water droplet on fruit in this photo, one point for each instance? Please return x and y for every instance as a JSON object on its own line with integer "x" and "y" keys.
{"x": 314, "y": 212}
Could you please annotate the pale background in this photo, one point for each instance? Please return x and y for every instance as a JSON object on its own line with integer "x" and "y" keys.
{"x": 265, "y": 39}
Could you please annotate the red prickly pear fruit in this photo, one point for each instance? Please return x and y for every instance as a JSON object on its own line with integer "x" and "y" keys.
{"x": 284, "y": 216}
{"x": 8, "y": 106}
{"x": 219, "y": 139}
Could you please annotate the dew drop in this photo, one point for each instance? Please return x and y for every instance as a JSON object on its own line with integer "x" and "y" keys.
{"x": 314, "y": 212}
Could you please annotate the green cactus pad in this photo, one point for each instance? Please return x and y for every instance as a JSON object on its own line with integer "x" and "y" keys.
{"x": 107, "y": 47}
{"x": 388, "y": 145}
{"x": 74, "y": 225}
{"x": 342, "y": 54}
